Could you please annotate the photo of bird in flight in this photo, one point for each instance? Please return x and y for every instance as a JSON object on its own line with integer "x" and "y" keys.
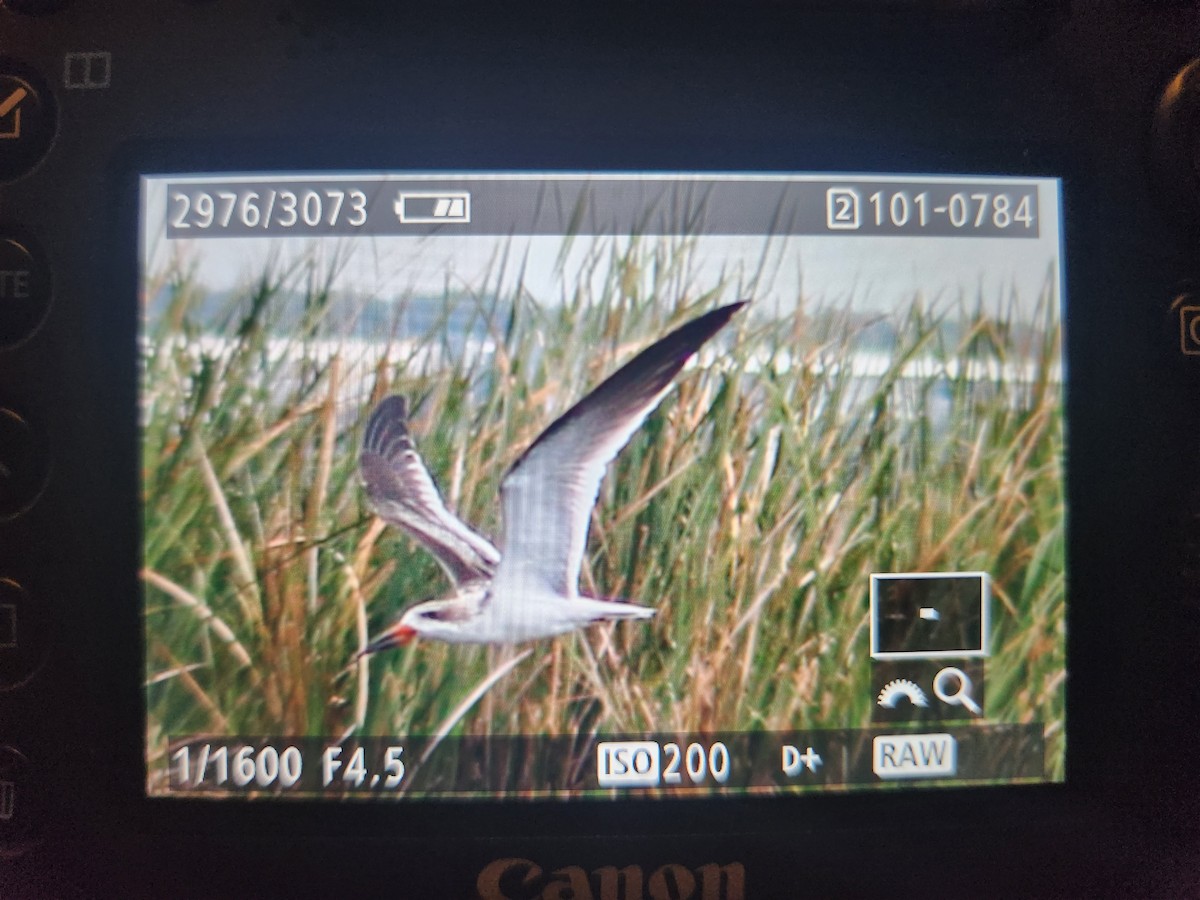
{"x": 528, "y": 588}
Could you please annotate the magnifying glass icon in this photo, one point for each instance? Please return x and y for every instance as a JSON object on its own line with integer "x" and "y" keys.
{"x": 961, "y": 695}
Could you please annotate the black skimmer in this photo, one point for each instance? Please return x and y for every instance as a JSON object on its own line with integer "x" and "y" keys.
{"x": 529, "y": 588}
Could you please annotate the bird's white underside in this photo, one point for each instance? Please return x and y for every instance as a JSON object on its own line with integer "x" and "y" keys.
{"x": 528, "y": 616}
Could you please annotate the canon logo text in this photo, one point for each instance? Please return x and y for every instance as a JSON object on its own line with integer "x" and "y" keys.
{"x": 523, "y": 879}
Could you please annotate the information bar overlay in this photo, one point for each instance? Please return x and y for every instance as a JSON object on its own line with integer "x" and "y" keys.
{"x": 548, "y": 765}
{"x": 551, "y": 205}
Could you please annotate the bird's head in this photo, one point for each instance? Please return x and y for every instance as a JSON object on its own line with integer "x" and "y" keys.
{"x": 440, "y": 620}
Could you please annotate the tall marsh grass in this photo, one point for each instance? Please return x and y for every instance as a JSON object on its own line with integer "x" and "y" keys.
{"x": 749, "y": 510}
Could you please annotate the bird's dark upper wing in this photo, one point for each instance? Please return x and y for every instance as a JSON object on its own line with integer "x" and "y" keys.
{"x": 549, "y": 492}
{"x": 401, "y": 491}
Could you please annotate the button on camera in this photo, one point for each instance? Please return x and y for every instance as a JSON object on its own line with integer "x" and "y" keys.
{"x": 24, "y": 290}
{"x": 18, "y": 803}
{"x": 27, "y": 121}
{"x": 23, "y": 464}
{"x": 23, "y": 633}
{"x": 1189, "y": 324}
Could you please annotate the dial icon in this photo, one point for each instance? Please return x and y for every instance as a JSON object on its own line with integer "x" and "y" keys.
{"x": 902, "y": 687}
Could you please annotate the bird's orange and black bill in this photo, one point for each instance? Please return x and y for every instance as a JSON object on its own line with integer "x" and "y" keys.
{"x": 397, "y": 636}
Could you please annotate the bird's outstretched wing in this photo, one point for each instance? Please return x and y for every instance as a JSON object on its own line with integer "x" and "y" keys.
{"x": 548, "y": 494}
{"x": 401, "y": 491}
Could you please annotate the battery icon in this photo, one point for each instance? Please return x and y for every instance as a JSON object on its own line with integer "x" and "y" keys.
{"x": 433, "y": 207}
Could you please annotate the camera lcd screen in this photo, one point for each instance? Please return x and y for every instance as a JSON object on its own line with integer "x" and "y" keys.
{"x": 596, "y": 485}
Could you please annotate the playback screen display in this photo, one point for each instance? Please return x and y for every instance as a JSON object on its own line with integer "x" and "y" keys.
{"x": 522, "y": 485}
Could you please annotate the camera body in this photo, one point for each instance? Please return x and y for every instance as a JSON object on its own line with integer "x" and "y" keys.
{"x": 1101, "y": 99}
